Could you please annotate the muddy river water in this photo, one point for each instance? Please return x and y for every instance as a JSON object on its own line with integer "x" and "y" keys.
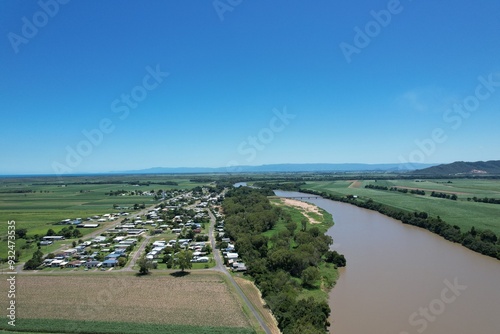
{"x": 402, "y": 279}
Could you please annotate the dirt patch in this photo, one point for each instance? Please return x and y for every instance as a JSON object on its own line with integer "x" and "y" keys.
{"x": 355, "y": 184}
{"x": 305, "y": 207}
{"x": 254, "y": 295}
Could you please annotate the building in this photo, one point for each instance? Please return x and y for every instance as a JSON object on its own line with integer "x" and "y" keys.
{"x": 110, "y": 263}
{"x": 53, "y": 237}
{"x": 92, "y": 264}
{"x": 69, "y": 252}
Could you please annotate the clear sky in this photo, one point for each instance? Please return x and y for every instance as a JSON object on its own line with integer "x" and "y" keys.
{"x": 97, "y": 86}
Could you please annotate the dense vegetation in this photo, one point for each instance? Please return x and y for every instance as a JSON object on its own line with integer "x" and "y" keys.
{"x": 437, "y": 194}
{"x": 485, "y": 200}
{"x": 286, "y": 186}
{"x": 281, "y": 265}
{"x": 35, "y": 261}
{"x": 401, "y": 190}
{"x": 482, "y": 241}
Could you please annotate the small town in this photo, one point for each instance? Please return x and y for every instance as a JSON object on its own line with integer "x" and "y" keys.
{"x": 188, "y": 222}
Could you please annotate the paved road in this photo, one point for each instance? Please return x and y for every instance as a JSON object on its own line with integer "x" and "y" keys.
{"x": 220, "y": 267}
{"x": 135, "y": 256}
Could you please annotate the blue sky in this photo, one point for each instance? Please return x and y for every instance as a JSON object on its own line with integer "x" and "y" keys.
{"x": 256, "y": 82}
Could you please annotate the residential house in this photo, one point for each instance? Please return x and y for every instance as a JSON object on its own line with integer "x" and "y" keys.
{"x": 92, "y": 264}
{"x": 110, "y": 263}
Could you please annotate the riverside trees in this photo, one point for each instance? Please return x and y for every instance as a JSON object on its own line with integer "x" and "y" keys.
{"x": 278, "y": 263}
{"x": 484, "y": 242}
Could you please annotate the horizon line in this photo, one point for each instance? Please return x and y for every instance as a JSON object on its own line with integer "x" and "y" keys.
{"x": 227, "y": 169}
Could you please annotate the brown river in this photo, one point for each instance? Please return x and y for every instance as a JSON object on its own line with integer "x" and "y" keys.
{"x": 402, "y": 279}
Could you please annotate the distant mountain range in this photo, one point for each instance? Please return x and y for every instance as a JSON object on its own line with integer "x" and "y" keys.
{"x": 463, "y": 168}
{"x": 320, "y": 167}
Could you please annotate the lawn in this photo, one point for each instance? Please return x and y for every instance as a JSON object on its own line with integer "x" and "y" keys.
{"x": 461, "y": 212}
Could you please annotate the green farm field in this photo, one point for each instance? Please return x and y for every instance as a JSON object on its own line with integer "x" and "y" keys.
{"x": 461, "y": 212}
{"x": 51, "y": 203}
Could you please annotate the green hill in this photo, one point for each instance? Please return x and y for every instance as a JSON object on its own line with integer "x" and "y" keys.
{"x": 491, "y": 167}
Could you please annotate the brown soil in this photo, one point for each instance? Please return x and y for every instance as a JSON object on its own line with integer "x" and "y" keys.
{"x": 355, "y": 184}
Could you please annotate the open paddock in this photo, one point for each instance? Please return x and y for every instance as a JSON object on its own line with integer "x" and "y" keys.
{"x": 196, "y": 299}
{"x": 461, "y": 212}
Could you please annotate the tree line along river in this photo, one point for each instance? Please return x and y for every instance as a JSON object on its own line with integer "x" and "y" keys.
{"x": 401, "y": 279}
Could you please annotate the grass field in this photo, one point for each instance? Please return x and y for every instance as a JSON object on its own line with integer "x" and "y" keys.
{"x": 461, "y": 212}
{"x": 49, "y": 203}
{"x": 32, "y": 326}
{"x": 200, "y": 302}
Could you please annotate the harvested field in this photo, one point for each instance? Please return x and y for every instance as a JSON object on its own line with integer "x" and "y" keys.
{"x": 355, "y": 184}
{"x": 197, "y": 299}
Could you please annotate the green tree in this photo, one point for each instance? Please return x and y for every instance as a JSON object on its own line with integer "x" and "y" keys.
{"x": 76, "y": 233}
{"x": 170, "y": 262}
{"x": 35, "y": 261}
{"x": 207, "y": 249}
{"x": 314, "y": 232}
{"x": 184, "y": 260}
{"x": 291, "y": 226}
{"x": 303, "y": 223}
{"x": 122, "y": 261}
{"x": 144, "y": 265}
{"x": 309, "y": 276}
{"x": 21, "y": 233}
{"x": 335, "y": 258}
{"x": 488, "y": 236}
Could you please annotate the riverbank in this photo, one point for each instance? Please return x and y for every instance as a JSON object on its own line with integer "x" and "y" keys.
{"x": 483, "y": 242}
{"x": 283, "y": 255}
{"x": 395, "y": 270}
{"x": 321, "y": 219}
